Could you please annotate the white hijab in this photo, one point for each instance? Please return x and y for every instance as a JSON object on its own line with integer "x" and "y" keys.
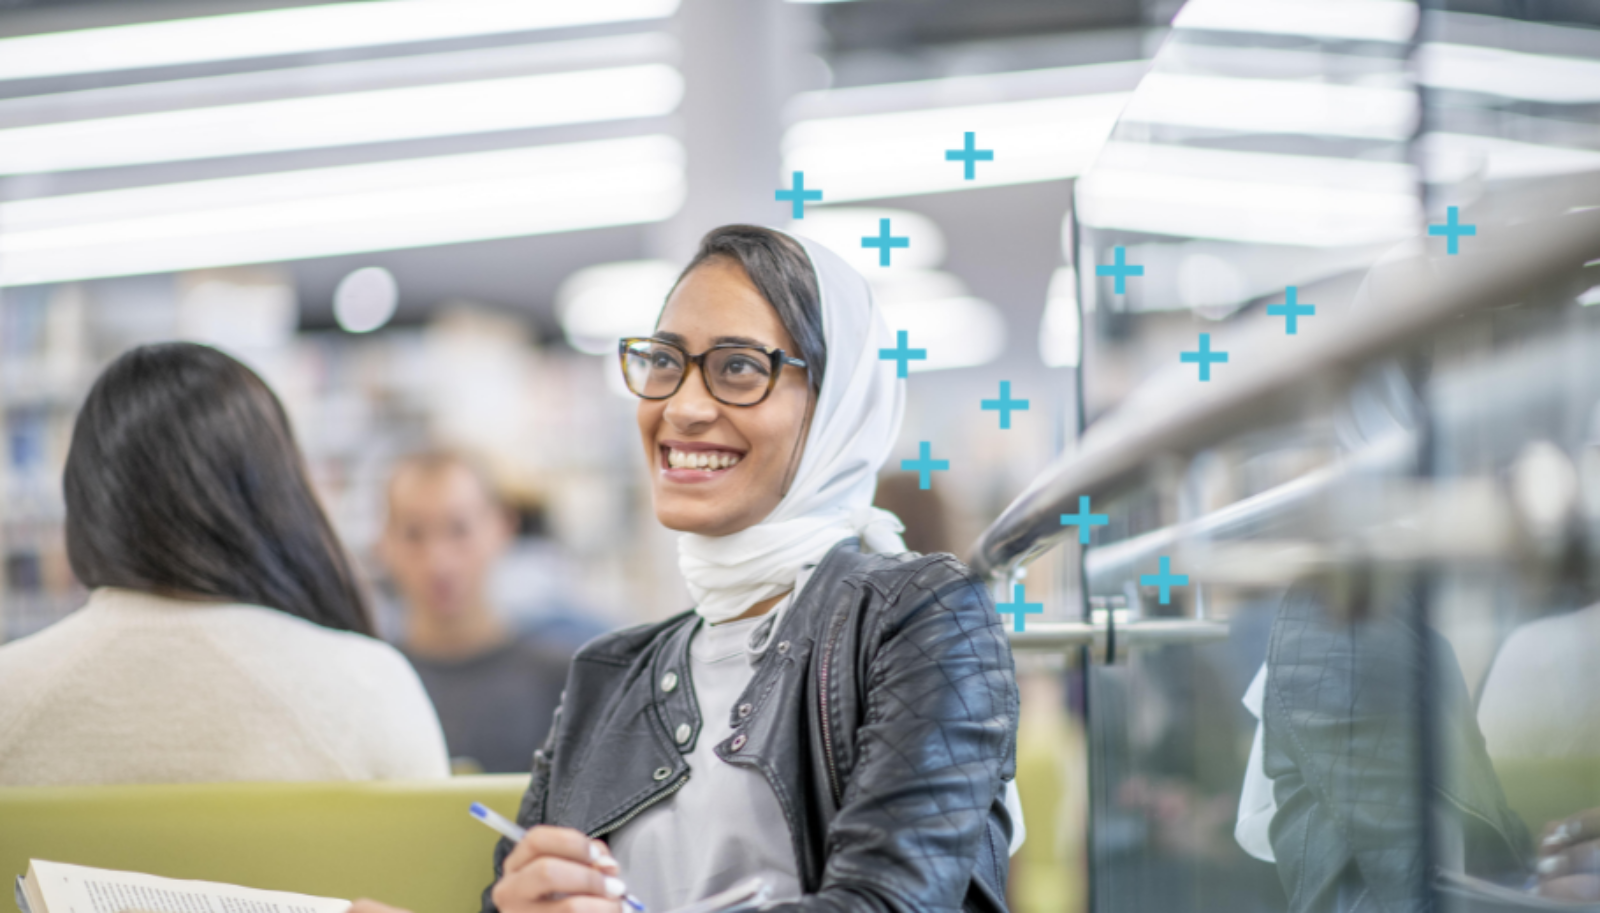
{"x": 853, "y": 428}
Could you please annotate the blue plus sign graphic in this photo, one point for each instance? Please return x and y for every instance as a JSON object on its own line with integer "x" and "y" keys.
{"x": 1293, "y": 309}
{"x": 970, "y": 156}
{"x": 1452, "y": 230}
{"x": 1004, "y": 404}
{"x": 1019, "y": 609}
{"x": 924, "y": 466}
{"x": 798, "y": 194}
{"x": 1165, "y": 580}
{"x": 901, "y": 354}
{"x": 1084, "y": 520}
{"x": 884, "y": 242}
{"x": 1204, "y": 357}
{"x": 1120, "y": 269}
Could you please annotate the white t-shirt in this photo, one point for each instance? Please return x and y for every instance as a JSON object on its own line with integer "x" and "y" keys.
{"x": 725, "y": 824}
{"x": 136, "y": 688}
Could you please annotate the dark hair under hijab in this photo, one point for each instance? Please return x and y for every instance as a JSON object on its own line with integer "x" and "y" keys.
{"x": 184, "y": 479}
{"x": 780, "y": 270}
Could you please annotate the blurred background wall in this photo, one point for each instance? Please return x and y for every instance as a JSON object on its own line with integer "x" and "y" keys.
{"x": 428, "y": 223}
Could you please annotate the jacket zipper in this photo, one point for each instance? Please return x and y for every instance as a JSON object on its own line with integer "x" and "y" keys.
{"x": 639, "y": 809}
{"x": 827, "y": 729}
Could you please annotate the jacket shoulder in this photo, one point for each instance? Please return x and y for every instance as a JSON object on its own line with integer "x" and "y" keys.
{"x": 622, "y": 647}
{"x": 910, "y": 582}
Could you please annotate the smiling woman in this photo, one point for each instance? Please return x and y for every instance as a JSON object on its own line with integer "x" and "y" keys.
{"x": 836, "y": 715}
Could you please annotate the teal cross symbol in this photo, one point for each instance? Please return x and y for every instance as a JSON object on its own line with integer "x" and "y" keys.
{"x": 1121, "y": 270}
{"x": 969, "y": 156}
{"x": 1165, "y": 580}
{"x": 1019, "y": 609}
{"x": 1005, "y": 404}
{"x": 1452, "y": 230}
{"x": 1204, "y": 357}
{"x": 884, "y": 242}
{"x": 1292, "y": 309}
{"x": 798, "y": 195}
{"x": 902, "y": 354}
{"x": 1084, "y": 520}
{"x": 924, "y": 466}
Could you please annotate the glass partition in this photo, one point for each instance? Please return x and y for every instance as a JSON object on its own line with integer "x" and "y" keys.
{"x": 1380, "y": 695}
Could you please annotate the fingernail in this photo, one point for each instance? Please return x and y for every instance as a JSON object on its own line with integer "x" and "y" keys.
{"x": 615, "y": 887}
{"x": 1555, "y": 838}
{"x": 1550, "y": 865}
{"x": 595, "y": 855}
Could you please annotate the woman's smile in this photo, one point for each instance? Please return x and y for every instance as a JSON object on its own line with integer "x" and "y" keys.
{"x": 691, "y": 462}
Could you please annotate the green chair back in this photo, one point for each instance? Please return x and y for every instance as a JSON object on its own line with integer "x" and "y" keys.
{"x": 407, "y": 843}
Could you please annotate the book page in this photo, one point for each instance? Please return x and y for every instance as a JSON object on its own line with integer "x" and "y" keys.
{"x": 78, "y": 889}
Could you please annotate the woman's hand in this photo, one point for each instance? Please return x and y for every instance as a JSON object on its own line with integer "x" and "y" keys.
{"x": 557, "y": 870}
{"x": 1569, "y": 858}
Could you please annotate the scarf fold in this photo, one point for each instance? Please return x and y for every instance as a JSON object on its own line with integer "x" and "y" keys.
{"x": 853, "y": 428}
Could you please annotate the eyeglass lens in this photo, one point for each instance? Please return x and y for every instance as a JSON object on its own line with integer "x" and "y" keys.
{"x": 738, "y": 376}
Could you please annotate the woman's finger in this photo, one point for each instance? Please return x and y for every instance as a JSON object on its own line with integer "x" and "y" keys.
{"x": 1582, "y": 859}
{"x": 551, "y": 875}
{"x": 364, "y": 905}
{"x": 564, "y": 842}
{"x": 584, "y": 904}
{"x": 1572, "y": 887}
{"x": 1570, "y": 830}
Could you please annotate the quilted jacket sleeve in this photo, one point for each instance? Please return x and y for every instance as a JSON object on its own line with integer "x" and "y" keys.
{"x": 922, "y": 807}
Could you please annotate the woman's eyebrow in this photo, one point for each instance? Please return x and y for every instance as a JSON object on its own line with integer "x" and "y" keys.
{"x": 740, "y": 341}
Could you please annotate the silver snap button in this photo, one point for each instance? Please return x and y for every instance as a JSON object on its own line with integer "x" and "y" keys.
{"x": 669, "y": 681}
{"x": 738, "y": 742}
{"x": 744, "y": 710}
{"x": 783, "y": 647}
{"x": 662, "y": 773}
{"x": 683, "y": 733}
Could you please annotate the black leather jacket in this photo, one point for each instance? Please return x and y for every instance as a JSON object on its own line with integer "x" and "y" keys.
{"x": 884, "y": 716}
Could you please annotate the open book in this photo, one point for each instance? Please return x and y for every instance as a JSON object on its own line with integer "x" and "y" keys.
{"x": 56, "y": 887}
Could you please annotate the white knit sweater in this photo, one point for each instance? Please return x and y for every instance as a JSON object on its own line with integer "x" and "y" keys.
{"x": 136, "y": 688}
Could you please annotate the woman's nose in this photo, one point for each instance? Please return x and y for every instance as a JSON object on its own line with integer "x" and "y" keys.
{"x": 692, "y": 404}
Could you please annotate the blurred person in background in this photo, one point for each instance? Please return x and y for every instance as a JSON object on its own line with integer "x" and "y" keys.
{"x": 225, "y": 637}
{"x": 496, "y": 689}
{"x": 922, "y": 510}
{"x": 836, "y": 716}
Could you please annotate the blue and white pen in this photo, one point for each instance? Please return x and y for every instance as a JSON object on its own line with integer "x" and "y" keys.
{"x": 515, "y": 832}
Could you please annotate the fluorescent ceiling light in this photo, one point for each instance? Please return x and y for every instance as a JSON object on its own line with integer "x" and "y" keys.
{"x": 350, "y": 209}
{"x": 841, "y": 230}
{"x": 885, "y": 155}
{"x": 598, "y": 305}
{"x": 1273, "y": 106}
{"x": 322, "y": 79}
{"x": 365, "y": 299}
{"x": 346, "y": 119}
{"x": 1453, "y": 158}
{"x": 300, "y": 30}
{"x": 956, "y": 332}
{"x": 1253, "y": 197}
{"x": 977, "y": 89}
{"x": 1060, "y": 327}
{"x": 1510, "y": 74}
{"x": 1358, "y": 20}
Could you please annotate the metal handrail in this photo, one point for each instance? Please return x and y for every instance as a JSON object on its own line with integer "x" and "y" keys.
{"x": 1107, "y": 567}
{"x": 1272, "y": 379}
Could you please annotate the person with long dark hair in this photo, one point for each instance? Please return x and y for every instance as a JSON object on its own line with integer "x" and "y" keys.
{"x": 836, "y": 715}
{"x": 225, "y": 637}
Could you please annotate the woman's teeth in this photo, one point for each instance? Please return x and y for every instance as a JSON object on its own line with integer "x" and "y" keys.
{"x": 703, "y": 459}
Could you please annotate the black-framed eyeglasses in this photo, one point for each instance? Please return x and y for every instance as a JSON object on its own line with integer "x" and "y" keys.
{"x": 734, "y": 374}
